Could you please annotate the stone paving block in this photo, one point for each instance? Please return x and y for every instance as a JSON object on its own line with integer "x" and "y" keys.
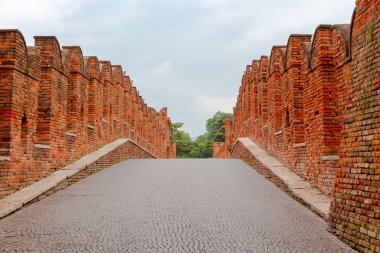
{"x": 182, "y": 205}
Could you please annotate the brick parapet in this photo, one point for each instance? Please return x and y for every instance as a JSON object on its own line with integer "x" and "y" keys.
{"x": 58, "y": 105}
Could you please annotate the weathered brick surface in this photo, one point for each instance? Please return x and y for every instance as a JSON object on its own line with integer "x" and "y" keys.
{"x": 355, "y": 211}
{"x": 321, "y": 118}
{"x": 57, "y": 105}
{"x": 219, "y": 149}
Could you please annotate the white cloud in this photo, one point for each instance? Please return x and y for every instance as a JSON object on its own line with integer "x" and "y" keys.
{"x": 210, "y": 104}
{"x": 163, "y": 69}
{"x": 32, "y": 11}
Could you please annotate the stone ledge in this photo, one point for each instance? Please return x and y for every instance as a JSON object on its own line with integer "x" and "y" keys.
{"x": 298, "y": 145}
{"x": 297, "y": 186}
{"x": 5, "y": 158}
{"x": 330, "y": 158}
{"x": 278, "y": 133}
{"x": 90, "y": 127}
{"x": 15, "y": 201}
{"x": 42, "y": 146}
{"x": 70, "y": 134}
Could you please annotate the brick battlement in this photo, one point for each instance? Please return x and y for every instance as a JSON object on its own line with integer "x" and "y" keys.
{"x": 57, "y": 105}
{"x": 313, "y": 104}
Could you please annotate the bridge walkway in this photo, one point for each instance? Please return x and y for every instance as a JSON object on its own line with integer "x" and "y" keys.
{"x": 183, "y": 205}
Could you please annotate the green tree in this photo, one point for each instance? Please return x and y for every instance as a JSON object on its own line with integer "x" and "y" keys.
{"x": 215, "y": 126}
{"x": 182, "y": 138}
{"x": 202, "y": 146}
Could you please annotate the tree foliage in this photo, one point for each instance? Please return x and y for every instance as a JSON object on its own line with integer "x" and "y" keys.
{"x": 202, "y": 146}
{"x": 215, "y": 126}
{"x": 182, "y": 139}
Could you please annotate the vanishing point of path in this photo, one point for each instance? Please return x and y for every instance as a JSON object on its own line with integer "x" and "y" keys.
{"x": 169, "y": 206}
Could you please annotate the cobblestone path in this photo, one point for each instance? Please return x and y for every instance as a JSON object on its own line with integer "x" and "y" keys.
{"x": 169, "y": 206}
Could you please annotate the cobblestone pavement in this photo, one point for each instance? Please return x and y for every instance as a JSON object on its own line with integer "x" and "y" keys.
{"x": 169, "y": 206}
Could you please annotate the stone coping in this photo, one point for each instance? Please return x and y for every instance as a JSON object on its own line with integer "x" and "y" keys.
{"x": 299, "y": 187}
{"x": 18, "y": 199}
{"x": 278, "y": 133}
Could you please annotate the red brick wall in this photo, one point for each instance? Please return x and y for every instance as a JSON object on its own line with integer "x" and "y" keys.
{"x": 219, "y": 150}
{"x": 274, "y": 102}
{"x": 323, "y": 117}
{"x": 355, "y": 211}
{"x": 95, "y": 94}
{"x": 320, "y": 110}
{"x": 57, "y": 105}
{"x": 223, "y": 149}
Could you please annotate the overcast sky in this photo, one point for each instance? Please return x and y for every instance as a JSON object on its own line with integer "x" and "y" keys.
{"x": 188, "y": 55}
